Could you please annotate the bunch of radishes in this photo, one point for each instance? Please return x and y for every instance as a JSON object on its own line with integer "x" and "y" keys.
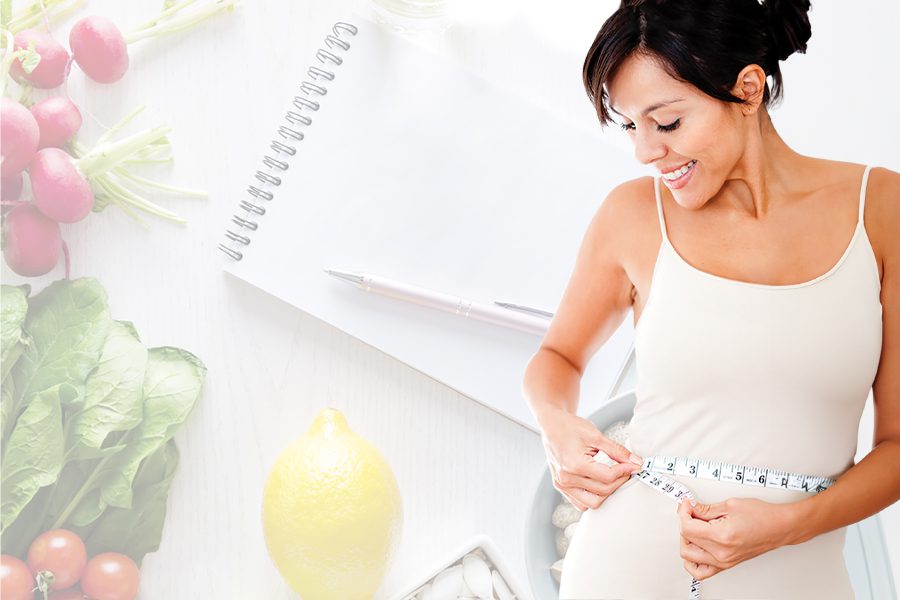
{"x": 68, "y": 179}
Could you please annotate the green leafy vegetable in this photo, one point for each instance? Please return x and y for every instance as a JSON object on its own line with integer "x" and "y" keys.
{"x": 13, "y": 307}
{"x": 34, "y": 453}
{"x": 68, "y": 323}
{"x": 88, "y": 420}
{"x": 112, "y": 400}
{"x": 138, "y": 530}
{"x": 171, "y": 388}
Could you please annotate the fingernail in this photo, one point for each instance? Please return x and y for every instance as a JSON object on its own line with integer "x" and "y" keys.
{"x": 636, "y": 460}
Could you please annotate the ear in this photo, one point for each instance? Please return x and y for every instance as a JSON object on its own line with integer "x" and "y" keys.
{"x": 751, "y": 86}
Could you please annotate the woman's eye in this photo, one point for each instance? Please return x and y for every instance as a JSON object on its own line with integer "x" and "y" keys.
{"x": 664, "y": 128}
{"x": 671, "y": 126}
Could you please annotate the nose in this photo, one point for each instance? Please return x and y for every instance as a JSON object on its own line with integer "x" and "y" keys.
{"x": 648, "y": 147}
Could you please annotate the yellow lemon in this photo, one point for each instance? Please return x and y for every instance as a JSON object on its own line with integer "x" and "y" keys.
{"x": 332, "y": 512}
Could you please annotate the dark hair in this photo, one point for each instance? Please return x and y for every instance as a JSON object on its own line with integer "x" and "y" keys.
{"x": 702, "y": 42}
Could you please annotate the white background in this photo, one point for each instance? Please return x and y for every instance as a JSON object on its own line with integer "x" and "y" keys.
{"x": 462, "y": 468}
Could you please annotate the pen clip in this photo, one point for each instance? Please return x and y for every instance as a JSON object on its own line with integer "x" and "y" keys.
{"x": 525, "y": 309}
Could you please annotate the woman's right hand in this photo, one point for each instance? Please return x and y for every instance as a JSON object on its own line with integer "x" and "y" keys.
{"x": 571, "y": 443}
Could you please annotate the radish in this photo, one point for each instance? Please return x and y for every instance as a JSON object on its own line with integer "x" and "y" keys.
{"x": 31, "y": 242}
{"x": 58, "y": 120}
{"x": 52, "y": 68}
{"x": 11, "y": 186}
{"x": 101, "y": 50}
{"x": 60, "y": 183}
{"x": 19, "y": 135}
{"x": 59, "y": 189}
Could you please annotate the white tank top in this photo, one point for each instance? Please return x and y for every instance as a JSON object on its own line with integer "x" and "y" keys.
{"x": 774, "y": 376}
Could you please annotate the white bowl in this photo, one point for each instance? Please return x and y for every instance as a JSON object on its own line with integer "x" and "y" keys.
{"x": 540, "y": 544}
{"x": 494, "y": 557}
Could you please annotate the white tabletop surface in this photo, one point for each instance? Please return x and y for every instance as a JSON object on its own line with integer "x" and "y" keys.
{"x": 462, "y": 468}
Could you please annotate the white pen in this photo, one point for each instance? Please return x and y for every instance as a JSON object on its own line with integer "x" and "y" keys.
{"x": 446, "y": 302}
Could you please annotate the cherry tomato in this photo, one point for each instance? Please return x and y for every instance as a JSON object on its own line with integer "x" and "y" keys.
{"x": 16, "y": 581}
{"x": 111, "y": 576}
{"x": 61, "y": 553}
{"x": 69, "y": 594}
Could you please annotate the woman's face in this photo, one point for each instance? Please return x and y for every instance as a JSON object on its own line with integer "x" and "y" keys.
{"x": 673, "y": 124}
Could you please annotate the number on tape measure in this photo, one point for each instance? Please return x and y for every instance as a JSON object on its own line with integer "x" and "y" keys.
{"x": 733, "y": 473}
{"x": 707, "y": 469}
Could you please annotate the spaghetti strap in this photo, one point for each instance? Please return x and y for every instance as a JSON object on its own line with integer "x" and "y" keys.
{"x": 862, "y": 193}
{"x": 659, "y": 210}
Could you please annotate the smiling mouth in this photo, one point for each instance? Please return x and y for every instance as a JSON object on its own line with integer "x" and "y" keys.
{"x": 679, "y": 173}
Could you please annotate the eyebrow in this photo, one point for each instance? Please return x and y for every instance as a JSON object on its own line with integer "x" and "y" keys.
{"x": 651, "y": 108}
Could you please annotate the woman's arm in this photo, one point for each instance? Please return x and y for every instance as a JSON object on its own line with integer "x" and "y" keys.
{"x": 596, "y": 300}
{"x": 868, "y": 487}
{"x": 874, "y": 483}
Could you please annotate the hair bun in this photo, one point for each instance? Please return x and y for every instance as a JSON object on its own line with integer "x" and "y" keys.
{"x": 789, "y": 23}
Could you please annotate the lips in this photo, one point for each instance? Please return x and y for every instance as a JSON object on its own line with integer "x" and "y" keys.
{"x": 682, "y": 180}
{"x": 681, "y": 166}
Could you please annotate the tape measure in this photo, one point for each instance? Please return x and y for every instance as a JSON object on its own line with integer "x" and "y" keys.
{"x": 656, "y": 467}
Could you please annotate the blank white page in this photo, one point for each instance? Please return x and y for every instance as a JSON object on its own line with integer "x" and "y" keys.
{"x": 416, "y": 169}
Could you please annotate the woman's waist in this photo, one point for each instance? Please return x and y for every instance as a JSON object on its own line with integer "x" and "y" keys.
{"x": 743, "y": 452}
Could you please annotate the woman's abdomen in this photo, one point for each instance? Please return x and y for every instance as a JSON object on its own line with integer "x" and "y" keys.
{"x": 629, "y": 548}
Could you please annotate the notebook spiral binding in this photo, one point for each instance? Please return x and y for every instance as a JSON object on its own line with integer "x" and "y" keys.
{"x": 268, "y": 177}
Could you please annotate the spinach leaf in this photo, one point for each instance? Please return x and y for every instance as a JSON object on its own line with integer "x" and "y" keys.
{"x": 172, "y": 384}
{"x": 67, "y": 323}
{"x": 113, "y": 393}
{"x": 77, "y": 481}
{"x": 13, "y": 308}
{"x": 34, "y": 453}
{"x": 18, "y": 536}
{"x": 138, "y": 530}
{"x": 7, "y": 399}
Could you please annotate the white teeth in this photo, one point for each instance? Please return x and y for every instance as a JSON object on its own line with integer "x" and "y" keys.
{"x": 676, "y": 174}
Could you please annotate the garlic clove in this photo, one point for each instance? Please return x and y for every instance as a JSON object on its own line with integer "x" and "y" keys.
{"x": 477, "y": 576}
{"x": 556, "y": 570}
{"x": 617, "y": 432}
{"x": 570, "y": 530}
{"x": 465, "y": 593}
{"x": 500, "y": 587}
{"x": 562, "y": 542}
{"x": 448, "y": 584}
{"x": 565, "y": 514}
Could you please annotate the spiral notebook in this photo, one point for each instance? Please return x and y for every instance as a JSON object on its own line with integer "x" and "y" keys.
{"x": 395, "y": 161}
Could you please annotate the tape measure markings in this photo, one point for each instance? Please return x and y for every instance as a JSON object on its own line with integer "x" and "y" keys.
{"x": 732, "y": 473}
{"x": 655, "y": 467}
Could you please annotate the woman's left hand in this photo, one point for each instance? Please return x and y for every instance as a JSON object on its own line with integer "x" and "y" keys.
{"x": 715, "y": 537}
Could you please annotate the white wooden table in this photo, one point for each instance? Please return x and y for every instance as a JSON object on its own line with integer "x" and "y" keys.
{"x": 462, "y": 468}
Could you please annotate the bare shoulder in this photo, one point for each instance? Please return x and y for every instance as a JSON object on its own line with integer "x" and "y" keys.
{"x": 630, "y": 221}
{"x": 632, "y": 194}
{"x": 883, "y": 198}
{"x": 882, "y": 211}
{"x": 882, "y": 218}
{"x": 626, "y": 209}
